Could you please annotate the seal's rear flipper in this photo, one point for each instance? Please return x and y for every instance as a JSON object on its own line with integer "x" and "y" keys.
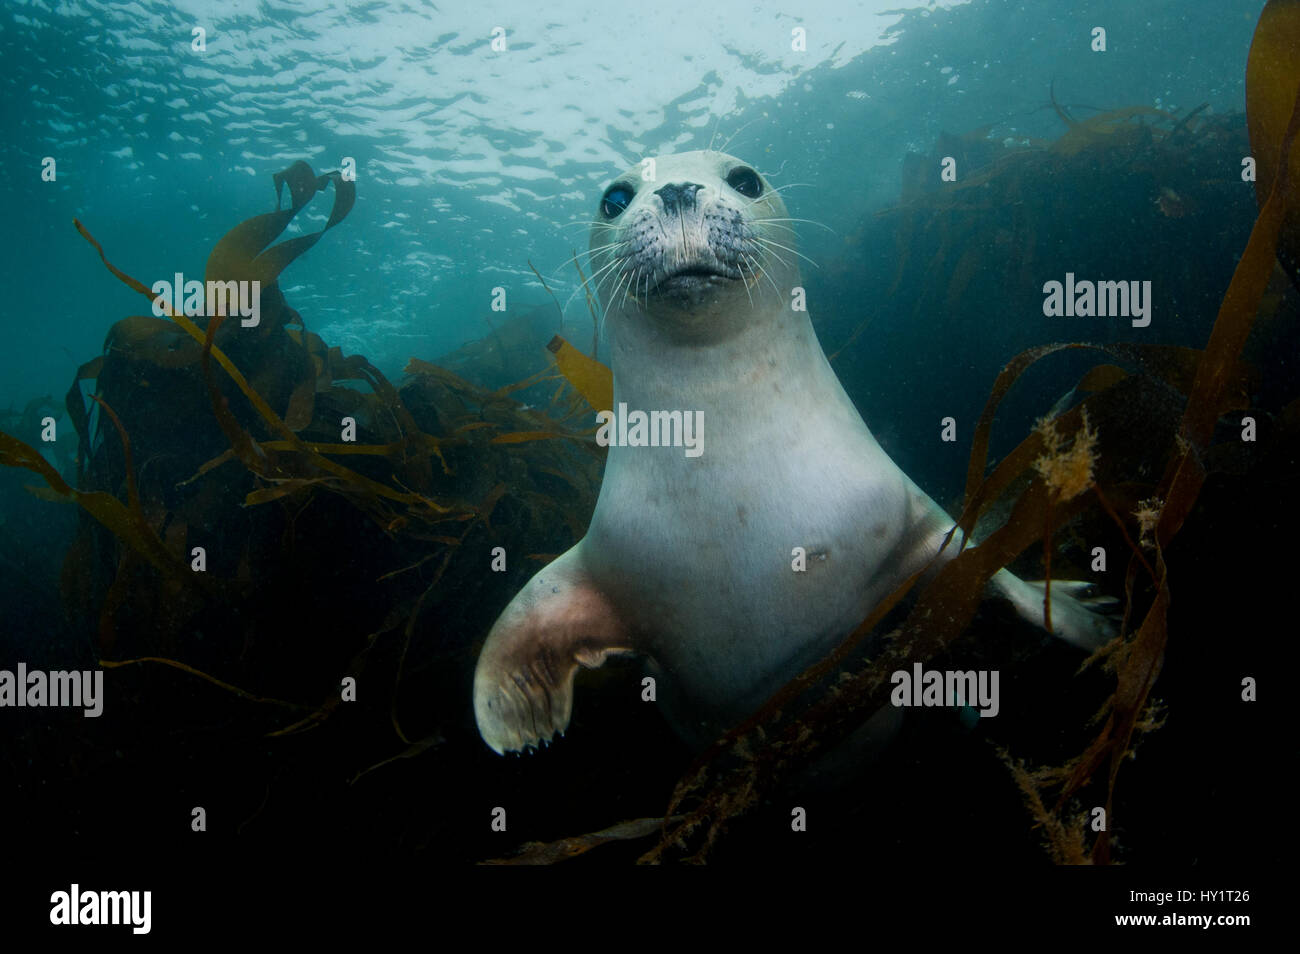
{"x": 523, "y": 685}
{"x": 1082, "y": 621}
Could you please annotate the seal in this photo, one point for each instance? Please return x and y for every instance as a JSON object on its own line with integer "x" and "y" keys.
{"x": 687, "y": 561}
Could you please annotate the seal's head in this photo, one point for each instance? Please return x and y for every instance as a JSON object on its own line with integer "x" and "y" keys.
{"x": 692, "y": 242}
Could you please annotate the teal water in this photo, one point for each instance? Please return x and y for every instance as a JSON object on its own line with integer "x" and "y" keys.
{"x": 471, "y": 163}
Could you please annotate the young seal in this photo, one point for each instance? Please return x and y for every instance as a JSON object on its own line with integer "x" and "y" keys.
{"x": 687, "y": 561}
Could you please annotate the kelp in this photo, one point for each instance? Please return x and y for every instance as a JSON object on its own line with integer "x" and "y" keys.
{"x": 593, "y": 380}
{"x": 549, "y": 853}
{"x": 1086, "y": 133}
{"x": 244, "y": 446}
{"x": 1130, "y": 129}
{"x": 225, "y": 686}
{"x": 411, "y": 751}
{"x": 242, "y": 254}
{"x": 1271, "y": 84}
{"x": 983, "y": 234}
{"x": 126, "y": 522}
{"x": 423, "y": 468}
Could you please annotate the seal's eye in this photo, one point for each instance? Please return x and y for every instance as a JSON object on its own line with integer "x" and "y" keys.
{"x": 745, "y": 181}
{"x": 615, "y": 201}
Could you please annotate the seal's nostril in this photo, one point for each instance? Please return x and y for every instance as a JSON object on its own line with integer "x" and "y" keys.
{"x": 677, "y": 196}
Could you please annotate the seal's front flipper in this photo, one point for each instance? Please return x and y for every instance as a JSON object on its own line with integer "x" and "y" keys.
{"x": 1082, "y": 621}
{"x": 523, "y": 685}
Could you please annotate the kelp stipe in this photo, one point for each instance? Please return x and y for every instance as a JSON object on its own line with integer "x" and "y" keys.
{"x": 1270, "y": 90}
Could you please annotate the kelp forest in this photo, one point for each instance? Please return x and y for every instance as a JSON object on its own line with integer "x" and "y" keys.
{"x": 286, "y": 563}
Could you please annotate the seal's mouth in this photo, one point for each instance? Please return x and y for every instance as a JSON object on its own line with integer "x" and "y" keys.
{"x": 688, "y": 278}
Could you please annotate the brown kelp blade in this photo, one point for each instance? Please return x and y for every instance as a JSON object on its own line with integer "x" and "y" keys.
{"x": 127, "y": 523}
{"x": 1212, "y": 388}
{"x": 242, "y": 253}
{"x": 521, "y": 437}
{"x": 549, "y": 853}
{"x": 1272, "y": 78}
{"x": 593, "y": 380}
{"x": 1175, "y": 366}
{"x": 1083, "y": 133}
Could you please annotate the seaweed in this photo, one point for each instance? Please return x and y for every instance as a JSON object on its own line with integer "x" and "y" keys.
{"x": 589, "y": 377}
{"x": 423, "y": 472}
{"x": 125, "y": 521}
{"x": 1271, "y": 87}
{"x": 992, "y": 233}
{"x": 549, "y": 853}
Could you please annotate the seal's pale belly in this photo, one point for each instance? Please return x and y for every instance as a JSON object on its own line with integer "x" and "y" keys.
{"x": 700, "y": 551}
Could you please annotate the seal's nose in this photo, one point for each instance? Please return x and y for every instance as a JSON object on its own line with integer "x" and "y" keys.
{"x": 678, "y": 196}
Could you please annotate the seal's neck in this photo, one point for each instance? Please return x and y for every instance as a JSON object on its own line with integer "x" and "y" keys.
{"x": 775, "y": 357}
